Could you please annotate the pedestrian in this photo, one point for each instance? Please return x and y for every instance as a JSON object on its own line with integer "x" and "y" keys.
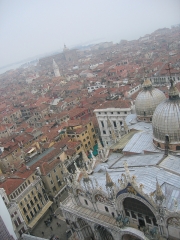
{"x": 57, "y": 224}
{"x": 43, "y": 233}
{"x": 51, "y": 228}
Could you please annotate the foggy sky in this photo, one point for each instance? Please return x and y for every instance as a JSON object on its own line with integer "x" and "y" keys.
{"x": 32, "y": 27}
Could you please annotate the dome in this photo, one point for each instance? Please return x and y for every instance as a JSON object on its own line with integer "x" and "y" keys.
{"x": 166, "y": 122}
{"x": 147, "y": 101}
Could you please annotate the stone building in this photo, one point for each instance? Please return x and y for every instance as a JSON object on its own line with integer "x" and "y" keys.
{"x": 130, "y": 195}
{"x": 110, "y": 117}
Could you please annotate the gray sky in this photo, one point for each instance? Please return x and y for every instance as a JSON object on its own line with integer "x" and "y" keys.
{"x": 32, "y": 27}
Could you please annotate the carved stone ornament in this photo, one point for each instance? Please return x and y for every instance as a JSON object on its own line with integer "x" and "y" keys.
{"x": 131, "y": 190}
{"x": 174, "y": 222}
{"x": 101, "y": 199}
{"x": 80, "y": 192}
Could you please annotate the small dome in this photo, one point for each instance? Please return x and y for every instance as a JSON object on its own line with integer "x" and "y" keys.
{"x": 147, "y": 101}
{"x": 166, "y": 122}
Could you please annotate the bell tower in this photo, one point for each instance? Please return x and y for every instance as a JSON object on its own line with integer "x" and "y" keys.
{"x": 56, "y": 69}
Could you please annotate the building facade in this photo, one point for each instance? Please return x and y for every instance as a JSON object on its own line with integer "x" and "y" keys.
{"x": 111, "y": 120}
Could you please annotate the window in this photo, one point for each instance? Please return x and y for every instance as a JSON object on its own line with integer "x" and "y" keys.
{"x": 125, "y": 112}
{"x": 57, "y": 177}
{"x": 35, "y": 210}
{"x": 29, "y": 182}
{"x": 102, "y": 123}
{"x": 105, "y": 112}
{"x": 54, "y": 189}
{"x": 120, "y": 122}
{"x": 133, "y": 215}
{"x": 28, "y": 206}
{"x": 59, "y": 183}
{"x": 127, "y": 213}
{"x": 19, "y": 220}
{"x": 21, "y": 203}
{"x": 31, "y": 213}
{"x": 118, "y": 112}
{"x": 35, "y": 199}
{"x": 32, "y": 192}
{"x": 148, "y": 220}
{"x": 54, "y": 170}
{"x": 85, "y": 201}
{"x": 38, "y": 206}
{"x": 51, "y": 182}
{"x": 24, "y": 210}
{"x": 104, "y": 132}
{"x": 111, "y": 112}
{"x": 92, "y": 129}
{"x": 114, "y": 122}
{"x": 49, "y": 175}
{"x": 99, "y": 112}
{"x": 15, "y": 222}
{"x": 31, "y": 202}
{"x": 106, "y": 208}
{"x": 25, "y": 199}
{"x": 112, "y": 214}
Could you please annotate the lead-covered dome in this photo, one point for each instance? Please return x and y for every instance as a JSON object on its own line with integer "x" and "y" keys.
{"x": 147, "y": 101}
{"x": 166, "y": 122}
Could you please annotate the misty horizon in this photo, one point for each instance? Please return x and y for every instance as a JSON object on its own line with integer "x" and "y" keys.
{"x": 35, "y": 28}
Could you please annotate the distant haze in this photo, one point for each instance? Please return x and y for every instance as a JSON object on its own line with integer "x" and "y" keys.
{"x": 30, "y": 28}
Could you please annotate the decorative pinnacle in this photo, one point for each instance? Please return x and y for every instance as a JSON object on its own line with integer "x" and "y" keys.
{"x": 159, "y": 193}
{"x": 169, "y": 70}
{"x": 109, "y": 182}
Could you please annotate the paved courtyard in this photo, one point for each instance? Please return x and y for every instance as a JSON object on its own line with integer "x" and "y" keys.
{"x": 59, "y": 231}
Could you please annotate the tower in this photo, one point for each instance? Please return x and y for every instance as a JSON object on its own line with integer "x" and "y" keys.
{"x": 56, "y": 69}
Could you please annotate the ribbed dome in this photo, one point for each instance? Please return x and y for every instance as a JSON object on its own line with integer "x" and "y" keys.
{"x": 147, "y": 100}
{"x": 166, "y": 121}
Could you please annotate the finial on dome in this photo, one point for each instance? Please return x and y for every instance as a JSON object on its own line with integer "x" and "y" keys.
{"x": 147, "y": 83}
{"x": 173, "y": 91}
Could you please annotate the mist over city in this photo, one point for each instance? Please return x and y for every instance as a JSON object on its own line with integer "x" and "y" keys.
{"x": 90, "y": 120}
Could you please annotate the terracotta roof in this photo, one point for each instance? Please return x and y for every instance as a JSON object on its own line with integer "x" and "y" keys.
{"x": 73, "y": 145}
{"x": 11, "y": 184}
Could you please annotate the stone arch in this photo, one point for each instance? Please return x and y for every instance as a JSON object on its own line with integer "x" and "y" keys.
{"x": 170, "y": 217}
{"x": 103, "y": 233}
{"x": 120, "y": 207}
{"x": 128, "y": 236}
{"x": 83, "y": 228}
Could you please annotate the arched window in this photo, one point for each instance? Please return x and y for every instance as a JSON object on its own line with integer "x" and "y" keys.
{"x": 137, "y": 207}
{"x": 106, "y": 208}
{"x": 104, "y": 233}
